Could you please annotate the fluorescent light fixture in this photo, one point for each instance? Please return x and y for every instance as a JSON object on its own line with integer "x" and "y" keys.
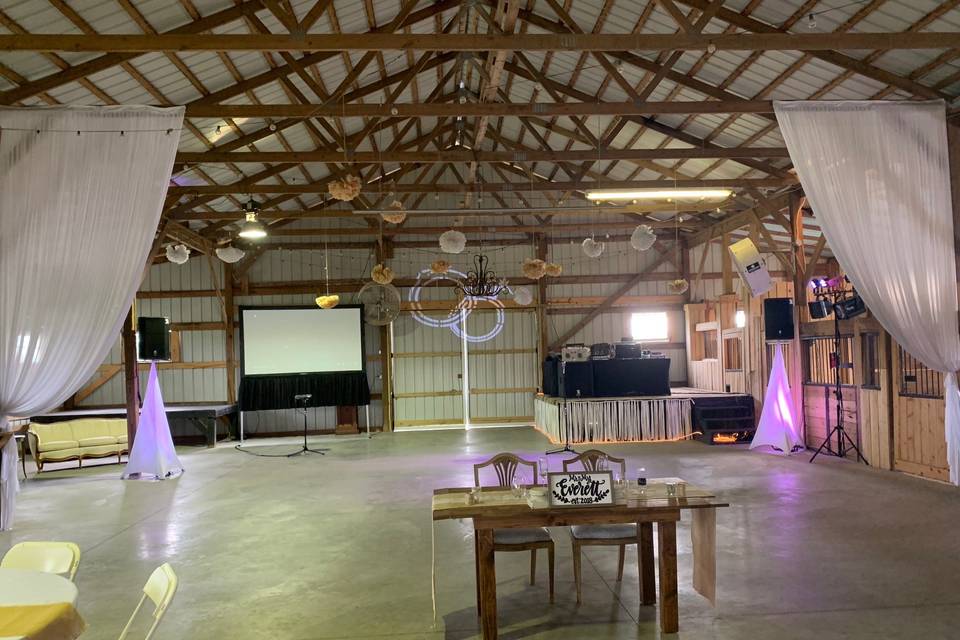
{"x": 660, "y": 194}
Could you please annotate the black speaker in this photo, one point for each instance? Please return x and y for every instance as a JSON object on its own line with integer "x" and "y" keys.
{"x": 778, "y": 319}
{"x": 551, "y": 373}
{"x": 153, "y": 339}
{"x": 819, "y": 309}
{"x": 850, "y": 308}
{"x": 576, "y": 380}
{"x": 631, "y": 377}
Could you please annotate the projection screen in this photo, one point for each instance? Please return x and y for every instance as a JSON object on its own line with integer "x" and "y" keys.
{"x": 279, "y": 341}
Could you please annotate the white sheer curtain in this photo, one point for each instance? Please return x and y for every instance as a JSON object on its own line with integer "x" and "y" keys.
{"x": 77, "y": 217}
{"x": 877, "y": 175}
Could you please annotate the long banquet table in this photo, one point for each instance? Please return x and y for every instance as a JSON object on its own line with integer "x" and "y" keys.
{"x": 499, "y": 509}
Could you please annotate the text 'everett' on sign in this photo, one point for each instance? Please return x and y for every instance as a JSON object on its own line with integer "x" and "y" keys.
{"x": 579, "y": 489}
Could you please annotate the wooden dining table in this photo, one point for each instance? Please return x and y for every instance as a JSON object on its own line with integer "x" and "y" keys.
{"x": 501, "y": 509}
{"x": 34, "y": 604}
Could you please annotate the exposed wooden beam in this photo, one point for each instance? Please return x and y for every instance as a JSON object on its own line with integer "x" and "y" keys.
{"x": 76, "y": 72}
{"x": 321, "y": 187}
{"x": 769, "y": 41}
{"x": 467, "y": 155}
{"x": 446, "y": 107}
{"x": 737, "y": 220}
{"x": 758, "y": 27}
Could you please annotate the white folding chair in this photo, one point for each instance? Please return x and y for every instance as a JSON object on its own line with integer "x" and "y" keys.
{"x": 61, "y": 558}
{"x": 160, "y": 588}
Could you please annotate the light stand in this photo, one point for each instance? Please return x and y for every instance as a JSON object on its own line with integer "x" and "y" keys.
{"x": 304, "y": 398}
{"x": 836, "y": 295}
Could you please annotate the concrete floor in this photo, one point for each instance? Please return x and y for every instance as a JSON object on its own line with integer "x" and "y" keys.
{"x": 339, "y": 546}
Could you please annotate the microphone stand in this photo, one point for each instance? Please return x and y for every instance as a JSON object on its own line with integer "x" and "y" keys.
{"x": 305, "y": 449}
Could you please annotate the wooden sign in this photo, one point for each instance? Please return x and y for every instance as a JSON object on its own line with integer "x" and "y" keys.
{"x": 581, "y": 488}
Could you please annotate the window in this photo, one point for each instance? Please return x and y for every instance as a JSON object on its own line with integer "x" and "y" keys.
{"x": 732, "y": 360}
{"x": 709, "y": 344}
{"x": 916, "y": 380}
{"x": 871, "y": 360}
{"x": 740, "y": 318}
{"x": 817, "y": 356}
{"x": 650, "y": 326}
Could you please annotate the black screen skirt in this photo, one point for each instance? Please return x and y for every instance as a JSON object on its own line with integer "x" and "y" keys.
{"x": 346, "y": 389}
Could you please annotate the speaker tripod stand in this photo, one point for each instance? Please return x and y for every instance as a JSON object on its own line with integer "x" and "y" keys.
{"x": 566, "y": 448}
{"x": 843, "y": 438}
{"x": 303, "y": 399}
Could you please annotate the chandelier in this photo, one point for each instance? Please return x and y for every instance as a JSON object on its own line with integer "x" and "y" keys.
{"x": 481, "y": 282}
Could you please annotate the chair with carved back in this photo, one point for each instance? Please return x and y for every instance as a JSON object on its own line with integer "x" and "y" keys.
{"x": 506, "y": 467}
{"x": 618, "y": 535}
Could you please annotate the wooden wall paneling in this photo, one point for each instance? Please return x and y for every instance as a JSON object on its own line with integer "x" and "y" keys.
{"x": 919, "y": 439}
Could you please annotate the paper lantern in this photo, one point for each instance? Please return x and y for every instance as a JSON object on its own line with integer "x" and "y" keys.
{"x": 382, "y": 274}
{"x": 592, "y": 248}
{"x": 327, "y": 302}
{"x": 533, "y": 268}
{"x": 439, "y": 266}
{"x": 230, "y": 254}
{"x": 553, "y": 269}
{"x": 177, "y": 253}
{"x": 643, "y": 237}
{"x": 396, "y": 214}
{"x": 678, "y": 286}
{"x": 346, "y": 189}
{"x": 522, "y": 296}
{"x": 452, "y": 241}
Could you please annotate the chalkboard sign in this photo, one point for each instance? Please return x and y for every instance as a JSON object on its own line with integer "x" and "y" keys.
{"x": 581, "y": 488}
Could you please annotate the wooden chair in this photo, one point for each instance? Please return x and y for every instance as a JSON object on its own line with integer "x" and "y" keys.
{"x": 506, "y": 466}
{"x": 619, "y": 535}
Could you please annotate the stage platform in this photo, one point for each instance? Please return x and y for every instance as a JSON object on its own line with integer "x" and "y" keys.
{"x": 204, "y": 416}
{"x": 627, "y": 419}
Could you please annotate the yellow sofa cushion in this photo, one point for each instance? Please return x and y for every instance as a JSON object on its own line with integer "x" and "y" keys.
{"x": 96, "y": 427}
{"x": 58, "y": 445}
{"x": 61, "y": 454}
{"x": 97, "y": 441}
{"x": 122, "y": 439}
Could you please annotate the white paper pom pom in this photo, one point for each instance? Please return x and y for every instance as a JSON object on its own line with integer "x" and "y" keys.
{"x": 678, "y": 286}
{"x": 230, "y": 254}
{"x": 452, "y": 241}
{"x": 522, "y": 296}
{"x": 177, "y": 253}
{"x": 643, "y": 237}
{"x": 592, "y": 248}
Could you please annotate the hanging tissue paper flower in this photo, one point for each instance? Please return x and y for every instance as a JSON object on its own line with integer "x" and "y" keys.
{"x": 452, "y": 241}
{"x": 382, "y": 274}
{"x": 439, "y": 266}
{"x": 678, "y": 286}
{"x": 346, "y": 189}
{"x": 177, "y": 253}
{"x": 643, "y": 237}
{"x": 533, "y": 268}
{"x": 553, "y": 269}
{"x": 398, "y": 215}
{"x": 327, "y": 302}
{"x": 230, "y": 254}
{"x": 592, "y": 248}
{"x": 522, "y": 296}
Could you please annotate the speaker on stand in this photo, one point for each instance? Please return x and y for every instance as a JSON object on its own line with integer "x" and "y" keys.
{"x": 153, "y": 339}
{"x": 778, "y": 319}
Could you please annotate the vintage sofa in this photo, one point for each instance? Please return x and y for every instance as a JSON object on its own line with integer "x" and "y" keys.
{"x": 77, "y": 440}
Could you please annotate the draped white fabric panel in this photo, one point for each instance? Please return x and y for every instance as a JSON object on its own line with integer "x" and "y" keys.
{"x": 620, "y": 420}
{"x": 78, "y": 214}
{"x": 877, "y": 175}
